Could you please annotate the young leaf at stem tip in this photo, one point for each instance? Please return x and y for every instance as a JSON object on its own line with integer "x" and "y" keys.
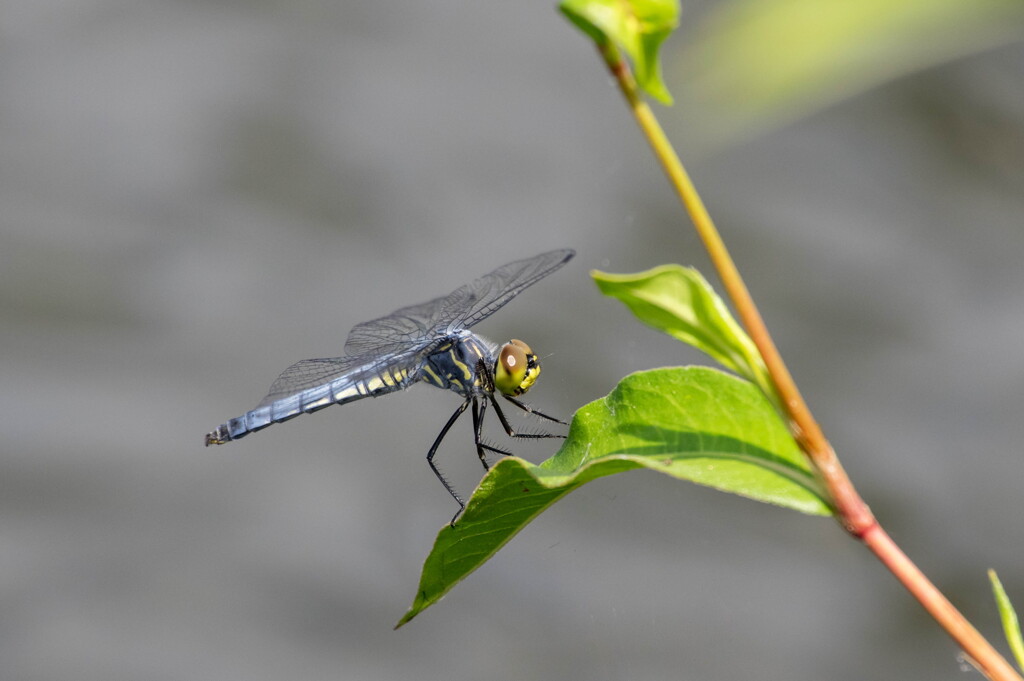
{"x": 638, "y": 27}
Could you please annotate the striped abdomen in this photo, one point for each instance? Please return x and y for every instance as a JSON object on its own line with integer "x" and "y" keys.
{"x": 355, "y": 385}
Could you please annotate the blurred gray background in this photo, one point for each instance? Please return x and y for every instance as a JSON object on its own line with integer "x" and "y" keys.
{"x": 196, "y": 194}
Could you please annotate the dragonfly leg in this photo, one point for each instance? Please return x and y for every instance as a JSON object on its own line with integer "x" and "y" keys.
{"x": 510, "y": 430}
{"x": 530, "y": 410}
{"x": 433, "y": 466}
{"x": 479, "y": 408}
{"x": 478, "y": 425}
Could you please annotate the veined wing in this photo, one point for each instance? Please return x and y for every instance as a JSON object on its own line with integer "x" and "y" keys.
{"x": 475, "y": 302}
{"x": 401, "y": 361}
{"x": 402, "y": 327}
{"x": 462, "y": 308}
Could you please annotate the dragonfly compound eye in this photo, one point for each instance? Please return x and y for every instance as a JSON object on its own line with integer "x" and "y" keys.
{"x": 517, "y": 368}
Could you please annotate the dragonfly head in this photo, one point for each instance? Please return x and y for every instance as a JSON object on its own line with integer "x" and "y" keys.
{"x": 517, "y": 368}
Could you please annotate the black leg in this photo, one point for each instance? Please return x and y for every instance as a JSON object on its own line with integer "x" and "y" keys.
{"x": 478, "y": 424}
{"x": 478, "y": 427}
{"x": 433, "y": 450}
{"x": 530, "y": 410}
{"x": 508, "y": 428}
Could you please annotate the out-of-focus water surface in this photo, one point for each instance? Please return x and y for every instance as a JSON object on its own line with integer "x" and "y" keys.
{"x": 196, "y": 195}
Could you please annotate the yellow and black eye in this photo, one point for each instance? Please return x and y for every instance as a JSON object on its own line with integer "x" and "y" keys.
{"x": 517, "y": 368}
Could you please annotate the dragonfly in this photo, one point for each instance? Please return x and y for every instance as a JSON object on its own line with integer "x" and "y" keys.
{"x": 426, "y": 343}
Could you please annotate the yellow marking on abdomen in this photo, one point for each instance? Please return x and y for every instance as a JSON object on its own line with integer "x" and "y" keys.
{"x": 345, "y": 393}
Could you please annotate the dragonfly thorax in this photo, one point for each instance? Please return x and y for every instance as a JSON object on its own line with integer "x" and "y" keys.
{"x": 462, "y": 364}
{"x": 468, "y": 364}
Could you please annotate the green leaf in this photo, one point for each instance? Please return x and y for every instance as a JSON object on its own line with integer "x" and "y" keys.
{"x": 693, "y": 423}
{"x": 1011, "y": 625}
{"x": 680, "y": 302}
{"x": 754, "y": 65}
{"x": 638, "y": 27}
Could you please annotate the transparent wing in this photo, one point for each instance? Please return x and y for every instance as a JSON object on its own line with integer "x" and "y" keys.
{"x": 312, "y": 373}
{"x": 462, "y": 308}
{"x": 475, "y": 302}
{"x": 401, "y": 327}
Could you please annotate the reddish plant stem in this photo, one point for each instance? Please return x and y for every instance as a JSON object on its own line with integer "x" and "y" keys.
{"x": 850, "y": 509}
{"x": 983, "y": 656}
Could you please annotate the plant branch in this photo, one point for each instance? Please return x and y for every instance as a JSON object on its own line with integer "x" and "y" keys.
{"x": 850, "y": 509}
